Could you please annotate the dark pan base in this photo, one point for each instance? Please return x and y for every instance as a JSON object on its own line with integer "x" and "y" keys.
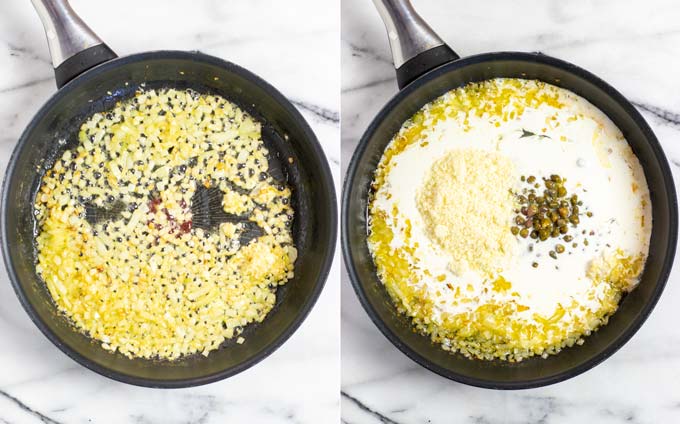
{"x": 285, "y": 133}
{"x": 533, "y": 372}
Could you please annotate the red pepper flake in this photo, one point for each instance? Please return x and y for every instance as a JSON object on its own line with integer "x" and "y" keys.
{"x": 153, "y": 204}
{"x": 167, "y": 214}
{"x": 185, "y": 227}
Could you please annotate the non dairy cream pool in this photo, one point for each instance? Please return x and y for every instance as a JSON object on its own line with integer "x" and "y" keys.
{"x": 452, "y": 187}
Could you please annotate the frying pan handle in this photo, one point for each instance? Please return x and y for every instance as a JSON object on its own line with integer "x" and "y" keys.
{"x": 74, "y": 47}
{"x": 416, "y": 48}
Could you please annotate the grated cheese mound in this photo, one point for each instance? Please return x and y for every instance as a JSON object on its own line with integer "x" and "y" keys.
{"x": 142, "y": 278}
{"x": 465, "y": 201}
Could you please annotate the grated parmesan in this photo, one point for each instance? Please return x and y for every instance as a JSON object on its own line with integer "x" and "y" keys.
{"x": 465, "y": 201}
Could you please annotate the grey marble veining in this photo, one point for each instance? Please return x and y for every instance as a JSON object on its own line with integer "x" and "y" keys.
{"x": 292, "y": 46}
{"x": 635, "y": 46}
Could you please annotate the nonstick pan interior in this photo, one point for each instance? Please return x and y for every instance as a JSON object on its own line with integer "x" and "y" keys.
{"x": 634, "y": 308}
{"x": 286, "y": 134}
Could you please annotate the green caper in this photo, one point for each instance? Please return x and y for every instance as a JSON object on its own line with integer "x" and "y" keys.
{"x": 559, "y": 248}
{"x": 568, "y": 238}
{"x": 552, "y": 254}
{"x": 548, "y": 214}
{"x": 585, "y": 241}
{"x": 589, "y": 214}
{"x": 574, "y": 245}
{"x": 535, "y": 264}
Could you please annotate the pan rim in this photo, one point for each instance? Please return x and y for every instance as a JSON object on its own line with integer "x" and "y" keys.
{"x": 630, "y": 110}
{"x": 323, "y": 170}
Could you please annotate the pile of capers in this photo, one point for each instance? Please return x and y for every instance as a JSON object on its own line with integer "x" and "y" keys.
{"x": 546, "y": 214}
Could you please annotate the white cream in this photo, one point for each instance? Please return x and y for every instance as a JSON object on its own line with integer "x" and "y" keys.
{"x": 599, "y": 166}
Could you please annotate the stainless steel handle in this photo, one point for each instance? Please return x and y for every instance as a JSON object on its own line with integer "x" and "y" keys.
{"x": 67, "y": 34}
{"x": 409, "y": 34}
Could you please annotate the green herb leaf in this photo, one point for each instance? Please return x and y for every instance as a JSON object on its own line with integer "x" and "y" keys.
{"x": 526, "y": 133}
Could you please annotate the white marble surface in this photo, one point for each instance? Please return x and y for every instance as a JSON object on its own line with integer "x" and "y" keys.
{"x": 633, "y": 45}
{"x": 292, "y": 45}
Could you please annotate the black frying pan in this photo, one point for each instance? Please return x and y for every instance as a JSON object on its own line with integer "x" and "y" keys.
{"x": 426, "y": 69}
{"x": 90, "y": 79}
